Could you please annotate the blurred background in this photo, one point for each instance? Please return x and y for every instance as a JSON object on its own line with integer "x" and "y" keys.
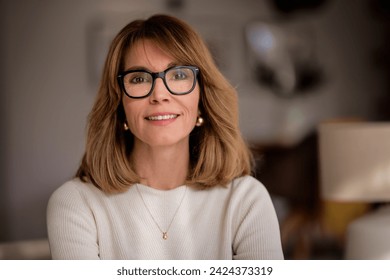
{"x": 296, "y": 64}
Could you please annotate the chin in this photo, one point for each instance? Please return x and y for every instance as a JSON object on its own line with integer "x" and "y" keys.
{"x": 168, "y": 141}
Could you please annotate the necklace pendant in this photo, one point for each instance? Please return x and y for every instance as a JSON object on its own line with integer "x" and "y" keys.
{"x": 165, "y": 235}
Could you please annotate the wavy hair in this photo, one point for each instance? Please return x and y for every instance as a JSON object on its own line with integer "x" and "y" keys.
{"x": 218, "y": 152}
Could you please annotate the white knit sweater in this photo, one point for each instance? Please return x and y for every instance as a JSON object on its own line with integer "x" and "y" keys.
{"x": 233, "y": 222}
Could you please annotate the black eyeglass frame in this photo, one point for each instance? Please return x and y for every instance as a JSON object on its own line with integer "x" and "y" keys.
{"x": 155, "y": 75}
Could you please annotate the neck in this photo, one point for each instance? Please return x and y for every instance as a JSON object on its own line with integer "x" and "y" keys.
{"x": 161, "y": 167}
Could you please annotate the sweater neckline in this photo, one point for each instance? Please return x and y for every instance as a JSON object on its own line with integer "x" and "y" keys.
{"x": 149, "y": 189}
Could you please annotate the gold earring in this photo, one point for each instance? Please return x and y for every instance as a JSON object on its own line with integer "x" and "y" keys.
{"x": 125, "y": 126}
{"x": 199, "y": 121}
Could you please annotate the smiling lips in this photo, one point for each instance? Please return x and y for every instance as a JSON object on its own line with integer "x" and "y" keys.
{"x": 162, "y": 117}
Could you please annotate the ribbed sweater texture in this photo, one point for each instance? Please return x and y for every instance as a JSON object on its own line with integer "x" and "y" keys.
{"x": 237, "y": 221}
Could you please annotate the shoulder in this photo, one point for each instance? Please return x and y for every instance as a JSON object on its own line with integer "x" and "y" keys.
{"x": 247, "y": 181}
{"x": 249, "y": 192}
{"x": 71, "y": 188}
{"x": 245, "y": 186}
{"x": 74, "y": 191}
{"x": 248, "y": 185}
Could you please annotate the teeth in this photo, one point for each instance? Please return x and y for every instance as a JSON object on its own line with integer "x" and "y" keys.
{"x": 161, "y": 117}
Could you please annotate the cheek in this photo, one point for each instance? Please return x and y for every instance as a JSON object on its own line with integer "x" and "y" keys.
{"x": 194, "y": 112}
{"x": 131, "y": 113}
{"x": 193, "y": 104}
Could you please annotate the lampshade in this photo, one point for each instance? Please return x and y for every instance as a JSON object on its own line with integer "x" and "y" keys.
{"x": 355, "y": 161}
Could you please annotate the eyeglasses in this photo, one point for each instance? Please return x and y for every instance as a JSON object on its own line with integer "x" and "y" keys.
{"x": 179, "y": 80}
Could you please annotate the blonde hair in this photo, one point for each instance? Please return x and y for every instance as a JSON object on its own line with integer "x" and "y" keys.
{"x": 218, "y": 151}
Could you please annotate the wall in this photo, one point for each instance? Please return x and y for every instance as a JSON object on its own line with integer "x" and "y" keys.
{"x": 2, "y": 134}
{"x": 51, "y": 53}
{"x": 44, "y": 104}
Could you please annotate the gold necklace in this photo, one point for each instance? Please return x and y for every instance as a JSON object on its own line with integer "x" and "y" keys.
{"x": 164, "y": 232}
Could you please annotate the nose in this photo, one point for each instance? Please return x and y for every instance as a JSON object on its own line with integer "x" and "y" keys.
{"x": 160, "y": 93}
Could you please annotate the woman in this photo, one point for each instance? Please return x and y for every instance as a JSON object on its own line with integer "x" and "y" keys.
{"x": 166, "y": 172}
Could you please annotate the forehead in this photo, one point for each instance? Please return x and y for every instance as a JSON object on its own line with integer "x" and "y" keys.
{"x": 147, "y": 54}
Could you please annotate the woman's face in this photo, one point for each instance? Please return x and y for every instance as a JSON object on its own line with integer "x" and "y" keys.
{"x": 161, "y": 119}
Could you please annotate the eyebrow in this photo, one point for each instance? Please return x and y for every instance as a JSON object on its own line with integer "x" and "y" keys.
{"x": 143, "y": 68}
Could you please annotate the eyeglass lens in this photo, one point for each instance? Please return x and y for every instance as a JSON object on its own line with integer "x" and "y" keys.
{"x": 178, "y": 80}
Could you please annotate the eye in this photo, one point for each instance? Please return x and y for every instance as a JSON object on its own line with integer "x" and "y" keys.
{"x": 180, "y": 74}
{"x": 136, "y": 78}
